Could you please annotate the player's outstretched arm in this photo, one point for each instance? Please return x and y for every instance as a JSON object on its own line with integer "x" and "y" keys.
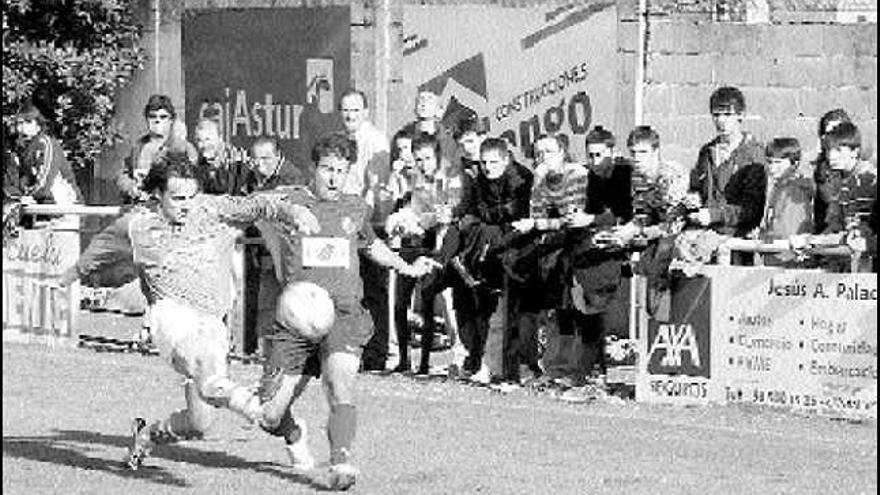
{"x": 238, "y": 210}
{"x": 109, "y": 246}
{"x": 383, "y": 255}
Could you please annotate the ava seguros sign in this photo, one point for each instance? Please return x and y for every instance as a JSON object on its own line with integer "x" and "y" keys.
{"x": 524, "y": 71}
{"x": 677, "y": 367}
{"x": 267, "y": 72}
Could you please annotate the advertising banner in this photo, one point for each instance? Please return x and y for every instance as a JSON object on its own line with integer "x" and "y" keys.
{"x": 33, "y": 305}
{"x": 526, "y": 71}
{"x": 678, "y": 365}
{"x": 267, "y": 72}
{"x": 796, "y": 338}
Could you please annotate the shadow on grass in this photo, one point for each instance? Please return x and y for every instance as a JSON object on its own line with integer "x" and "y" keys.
{"x": 76, "y": 449}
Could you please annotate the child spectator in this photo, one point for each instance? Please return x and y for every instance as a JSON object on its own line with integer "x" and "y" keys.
{"x": 848, "y": 193}
{"x": 729, "y": 175}
{"x": 827, "y": 122}
{"x": 790, "y": 190}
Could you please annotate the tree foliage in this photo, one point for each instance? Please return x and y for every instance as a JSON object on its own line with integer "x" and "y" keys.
{"x": 74, "y": 56}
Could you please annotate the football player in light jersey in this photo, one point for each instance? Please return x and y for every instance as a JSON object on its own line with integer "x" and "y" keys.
{"x": 182, "y": 248}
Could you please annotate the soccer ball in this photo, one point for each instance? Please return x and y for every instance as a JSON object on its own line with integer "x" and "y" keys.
{"x": 306, "y": 308}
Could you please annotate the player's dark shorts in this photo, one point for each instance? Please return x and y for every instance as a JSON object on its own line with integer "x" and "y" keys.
{"x": 290, "y": 353}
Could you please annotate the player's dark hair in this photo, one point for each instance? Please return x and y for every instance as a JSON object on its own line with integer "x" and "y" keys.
{"x": 334, "y": 144}
{"x": 167, "y": 166}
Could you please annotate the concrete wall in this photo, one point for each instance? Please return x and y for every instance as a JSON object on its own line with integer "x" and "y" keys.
{"x": 790, "y": 74}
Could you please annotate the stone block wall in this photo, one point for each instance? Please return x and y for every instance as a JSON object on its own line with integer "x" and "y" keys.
{"x": 790, "y": 74}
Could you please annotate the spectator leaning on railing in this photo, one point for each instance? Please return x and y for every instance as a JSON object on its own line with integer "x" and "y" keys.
{"x": 847, "y": 195}
{"x": 790, "y": 190}
{"x": 558, "y": 199}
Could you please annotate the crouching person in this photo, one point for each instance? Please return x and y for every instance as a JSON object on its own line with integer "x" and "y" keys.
{"x": 316, "y": 334}
{"x": 182, "y": 247}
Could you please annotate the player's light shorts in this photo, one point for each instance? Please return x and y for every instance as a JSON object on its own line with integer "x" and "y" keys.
{"x": 196, "y": 343}
{"x": 288, "y": 352}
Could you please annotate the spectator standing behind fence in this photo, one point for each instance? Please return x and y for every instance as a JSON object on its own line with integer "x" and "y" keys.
{"x": 428, "y": 112}
{"x": 729, "y": 175}
{"x": 499, "y": 196}
{"x": 790, "y": 191}
{"x": 558, "y": 199}
{"x": 164, "y": 134}
{"x": 596, "y": 262}
{"x": 45, "y": 175}
{"x": 660, "y": 205}
{"x": 220, "y": 171}
{"x": 847, "y": 194}
{"x": 420, "y": 225}
{"x": 827, "y": 122}
{"x": 367, "y": 177}
{"x": 269, "y": 170}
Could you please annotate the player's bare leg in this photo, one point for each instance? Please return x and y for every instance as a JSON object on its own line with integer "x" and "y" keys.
{"x": 197, "y": 348}
{"x": 279, "y": 393}
{"x": 339, "y": 375}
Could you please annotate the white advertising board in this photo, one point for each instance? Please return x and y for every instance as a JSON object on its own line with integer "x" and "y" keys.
{"x": 33, "y": 306}
{"x": 796, "y": 338}
{"x": 525, "y": 70}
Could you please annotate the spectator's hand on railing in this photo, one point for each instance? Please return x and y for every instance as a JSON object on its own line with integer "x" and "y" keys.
{"x": 625, "y": 234}
{"x": 420, "y": 267}
{"x": 524, "y": 225}
{"x": 579, "y": 218}
{"x": 799, "y": 242}
{"x": 701, "y": 217}
{"x": 856, "y": 241}
{"x": 27, "y": 200}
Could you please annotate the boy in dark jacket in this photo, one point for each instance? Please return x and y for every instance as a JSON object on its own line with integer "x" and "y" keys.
{"x": 729, "y": 175}
{"x": 499, "y": 196}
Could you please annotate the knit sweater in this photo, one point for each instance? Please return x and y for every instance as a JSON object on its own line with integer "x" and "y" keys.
{"x": 192, "y": 262}
{"x": 555, "y": 194}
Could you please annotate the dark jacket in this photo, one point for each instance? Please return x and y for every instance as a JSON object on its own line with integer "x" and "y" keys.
{"x": 287, "y": 174}
{"x": 734, "y": 190}
{"x": 224, "y": 175}
{"x": 844, "y": 196}
{"x": 499, "y": 201}
{"x": 44, "y": 171}
{"x": 609, "y": 193}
